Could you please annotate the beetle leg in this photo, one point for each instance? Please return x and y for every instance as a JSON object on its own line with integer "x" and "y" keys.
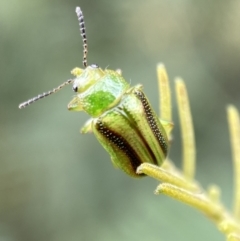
{"x": 87, "y": 127}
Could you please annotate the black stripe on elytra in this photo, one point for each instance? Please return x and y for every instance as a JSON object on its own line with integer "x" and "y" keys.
{"x": 146, "y": 144}
{"x": 120, "y": 143}
{"x": 152, "y": 122}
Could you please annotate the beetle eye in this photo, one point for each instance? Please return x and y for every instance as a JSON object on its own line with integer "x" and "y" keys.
{"x": 95, "y": 66}
{"x": 75, "y": 88}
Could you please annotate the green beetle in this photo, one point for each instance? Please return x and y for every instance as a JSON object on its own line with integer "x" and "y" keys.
{"x": 122, "y": 118}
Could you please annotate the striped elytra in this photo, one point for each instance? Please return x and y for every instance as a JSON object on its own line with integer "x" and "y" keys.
{"x": 122, "y": 118}
{"x": 132, "y": 133}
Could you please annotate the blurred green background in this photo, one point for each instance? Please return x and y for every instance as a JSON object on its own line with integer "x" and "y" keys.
{"x": 58, "y": 185}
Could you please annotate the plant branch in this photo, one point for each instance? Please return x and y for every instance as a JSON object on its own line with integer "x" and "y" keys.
{"x": 234, "y": 127}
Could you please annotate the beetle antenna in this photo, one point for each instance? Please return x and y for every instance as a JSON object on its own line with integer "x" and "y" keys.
{"x": 83, "y": 34}
{"x": 85, "y": 50}
{"x": 45, "y": 94}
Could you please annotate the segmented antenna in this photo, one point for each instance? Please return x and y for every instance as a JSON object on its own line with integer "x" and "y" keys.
{"x": 83, "y": 34}
{"x": 85, "y": 50}
{"x": 45, "y": 94}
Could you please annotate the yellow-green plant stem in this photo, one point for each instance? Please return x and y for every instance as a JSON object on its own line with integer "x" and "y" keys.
{"x": 171, "y": 177}
{"x": 181, "y": 185}
{"x": 215, "y": 211}
{"x": 234, "y": 126}
{"x": 165, "y": 97}
{"x": 187, "y": 132}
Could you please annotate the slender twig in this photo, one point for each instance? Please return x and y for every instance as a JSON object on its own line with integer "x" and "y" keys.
{"x": 181, "y": 185}
{"x": 165, "y": 96}
{"x": 187, "y": 132}
{"x": 234, "y": 126}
